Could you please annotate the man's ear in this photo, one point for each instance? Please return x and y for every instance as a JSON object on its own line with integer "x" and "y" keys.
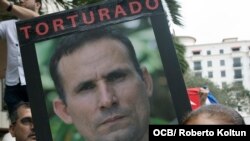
{"x": 148, "y": 81}
{"x": 60, "y": 109}
{"x": 11, "y": 130}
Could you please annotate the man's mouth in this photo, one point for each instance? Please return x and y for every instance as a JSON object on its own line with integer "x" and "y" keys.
{"x": 112, "y": 119}
{"x": 32, "y": 136}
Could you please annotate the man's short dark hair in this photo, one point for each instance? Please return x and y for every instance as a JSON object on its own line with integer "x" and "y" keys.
{"x": 13, "y": 115}
{"x": 71, "y": 43}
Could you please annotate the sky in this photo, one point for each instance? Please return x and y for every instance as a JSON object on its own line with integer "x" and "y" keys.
{"x": 209, "y": 21}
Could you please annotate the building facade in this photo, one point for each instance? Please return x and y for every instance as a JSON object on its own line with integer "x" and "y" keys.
{"x": 227, "y": 62}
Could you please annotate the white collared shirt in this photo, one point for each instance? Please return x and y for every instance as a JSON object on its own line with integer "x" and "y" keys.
{"x": 14, "y": 70}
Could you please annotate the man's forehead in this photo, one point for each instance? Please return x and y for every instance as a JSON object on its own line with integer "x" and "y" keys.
{"x": 98, "y": 58}
{"x": 24, "y": 111}
{"x": 99, "y": 47}
{"x": 102, "y": 53}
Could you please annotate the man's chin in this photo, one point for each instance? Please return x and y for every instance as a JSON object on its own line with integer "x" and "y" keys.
{"x": 121, "y": 135}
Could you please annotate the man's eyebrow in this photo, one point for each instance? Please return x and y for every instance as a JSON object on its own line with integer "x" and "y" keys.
{"x": 119, "y": 70}
{"x": 90, "y": 82}
{"x": 26, "y": 117}
{"x": 78, "y": 88}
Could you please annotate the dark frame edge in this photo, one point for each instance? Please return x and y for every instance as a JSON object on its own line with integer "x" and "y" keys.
{"x": 38, "y": 109}
{"x": 169, "y": 59}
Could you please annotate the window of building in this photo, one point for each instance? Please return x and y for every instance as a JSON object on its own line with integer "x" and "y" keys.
{"x": 209, "y": 63}
{"x": 235, "y": 49}
{"x": 237, "y": 73}
{"x": 221, "y": 51}
{"x": 197, "y": 65}
{"x": 222, "y": 62}
{"x": 208, "y": 52}
{"x": 210, "y": 74}
{"x": 236, "y": 62}
{"x": 196, "y": 52}
{"x": 223, "y": 73}
{"x": 198, "y": 74}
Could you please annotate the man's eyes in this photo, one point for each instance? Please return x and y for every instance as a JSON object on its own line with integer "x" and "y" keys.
{"x": 88, "y": 86}
{"x": 110, "y": 78}
{"x": 116, "y": 76}
{"x": 26, "y": 121}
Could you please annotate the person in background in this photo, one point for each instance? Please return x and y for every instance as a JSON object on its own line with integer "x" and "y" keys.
{"x": 22, "y": 127}
{"x": 210, "y": 98}
{"x": 199, "y": 96}
{"x": 15, "y": 88}
{"x": 214, "y": 114}
{"x": 102, "y": 88}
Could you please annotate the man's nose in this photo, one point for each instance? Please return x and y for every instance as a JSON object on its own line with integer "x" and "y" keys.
{"x": 32, "y": 126}
{"x": 107, "y": 96}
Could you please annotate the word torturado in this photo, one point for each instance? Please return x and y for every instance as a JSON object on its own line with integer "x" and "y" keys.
{"x": 89, "y": 17}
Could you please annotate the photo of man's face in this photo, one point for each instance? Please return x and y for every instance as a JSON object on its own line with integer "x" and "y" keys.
{"x": 104, "y": 93}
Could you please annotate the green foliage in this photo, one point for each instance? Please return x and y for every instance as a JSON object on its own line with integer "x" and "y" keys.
{"x": 180, "y": 52}
{"x": 148, "y": 55}
{"x": 63, "y": 131}
{"x": 146, "y": 49}
{"x": 174, "y": 10}
{"x": 237, "y": 96}
{"x": 158, "y": 121}
{"x": 193, "y": 81}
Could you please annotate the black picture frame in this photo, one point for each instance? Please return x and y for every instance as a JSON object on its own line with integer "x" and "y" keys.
{"x": 63, "y": 23}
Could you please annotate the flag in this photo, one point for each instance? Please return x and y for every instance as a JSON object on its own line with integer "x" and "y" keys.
{"x": 194, "y": 97}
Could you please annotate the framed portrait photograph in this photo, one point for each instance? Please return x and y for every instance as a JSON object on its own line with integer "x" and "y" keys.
{"x": 102, "y": 71}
